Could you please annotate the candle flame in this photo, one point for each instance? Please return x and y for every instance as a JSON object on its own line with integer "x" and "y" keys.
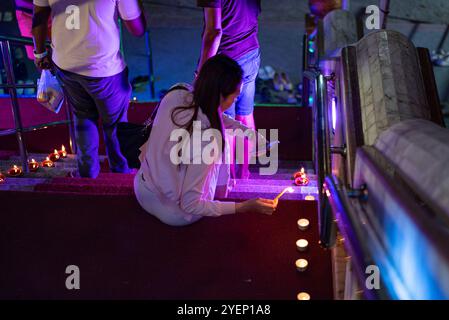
{"x": 56, "y": 151}
{"x": 302, "y": 170}
{"x": 32, "y": 160}
{"x": 15, "y": 167}
{"x": 48, "y": 159}
{"x": 63, "y": 148}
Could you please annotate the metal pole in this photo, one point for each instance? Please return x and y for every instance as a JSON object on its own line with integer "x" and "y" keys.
{"x": 150, "y": 65}
{"x": 6, "y": 53}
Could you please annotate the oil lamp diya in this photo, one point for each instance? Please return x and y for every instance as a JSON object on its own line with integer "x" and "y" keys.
{"x": 47, "y": 163}
{"x": 15, "y": 171}
{"x": 33, "y": 165}
{"x": 54, "y": 156}
{"x": 301, "y": 178}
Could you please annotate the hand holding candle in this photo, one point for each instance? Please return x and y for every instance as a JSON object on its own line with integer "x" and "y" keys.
{"x": 289, "y": 189}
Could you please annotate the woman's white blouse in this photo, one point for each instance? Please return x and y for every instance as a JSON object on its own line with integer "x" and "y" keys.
{"x": 191, "y": 186}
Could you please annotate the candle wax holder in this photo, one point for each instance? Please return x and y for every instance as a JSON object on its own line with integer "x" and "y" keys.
{"x": 15, "y": 171}
{"x": 33, "y": 165}
{"x": 54, "y": 156}
{"x": 47, "y": 163}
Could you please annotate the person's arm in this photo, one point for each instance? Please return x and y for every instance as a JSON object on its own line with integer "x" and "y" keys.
{"x": 211, "y": 36}
{"x": 41, "y": 14}
{"x": 192, "y": 198}
{"x": 132, "y": 13}
{"x": 193, "y": 203}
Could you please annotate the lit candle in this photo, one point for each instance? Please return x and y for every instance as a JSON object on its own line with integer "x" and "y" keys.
{"x": 2, "y": 178}
{"x": 289, "y": 189}
{"x": 301, "y": 178}
{"x": 33, "y": 165}
{"x": 54, "y": 156}
{"x": 303, "y": 296}
{"x": 301, "y": 265}
{"x": 302, "y": 244}
{"x": 299, "y": 173}
{"x": 310, "y": 198}
{"x": 62, "y": 153}
{"x": 47, "y": 163}
{"x": 303, "y": 224}
{"x": 15, "y": 171}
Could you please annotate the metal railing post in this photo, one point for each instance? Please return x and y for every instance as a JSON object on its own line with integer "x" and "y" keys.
{"x": 150, "y": 64}
{"x": 7, "y": 61}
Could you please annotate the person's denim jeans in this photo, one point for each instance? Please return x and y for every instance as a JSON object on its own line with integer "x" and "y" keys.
{"x": 92, "y": 99}
{"x": 244, "y": 105}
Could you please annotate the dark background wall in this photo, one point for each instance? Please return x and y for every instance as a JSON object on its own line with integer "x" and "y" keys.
{"x": 175, "y": 28}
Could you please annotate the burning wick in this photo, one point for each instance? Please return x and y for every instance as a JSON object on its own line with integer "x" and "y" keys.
{"x": 289, "y": 189}
{"x": 62, "y": 153}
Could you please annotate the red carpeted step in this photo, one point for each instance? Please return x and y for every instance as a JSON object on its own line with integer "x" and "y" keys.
{"x": 92, "y": 189}
{"x": 98, "y": 181}
{"x": 125, "y": 253}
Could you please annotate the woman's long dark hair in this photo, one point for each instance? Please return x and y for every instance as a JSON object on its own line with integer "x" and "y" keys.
{"x": 219, "y": 77}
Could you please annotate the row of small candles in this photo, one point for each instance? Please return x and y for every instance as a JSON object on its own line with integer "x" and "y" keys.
{"x": 303, "y": 225}
{"x": 302, "y": 245}
{"x": 33, "y": 165}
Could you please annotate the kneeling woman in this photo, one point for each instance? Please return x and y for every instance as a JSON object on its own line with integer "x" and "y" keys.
{"x": 181, "y": 192}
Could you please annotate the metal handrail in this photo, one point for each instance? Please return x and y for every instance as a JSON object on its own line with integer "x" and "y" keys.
{"x": 321, "y": 150}
{"x": 12, "y": 86}
{"x": 337, "y": 196}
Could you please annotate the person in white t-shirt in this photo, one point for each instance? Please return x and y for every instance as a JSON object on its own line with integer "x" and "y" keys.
{"x": 86, "y": 56}
{"x": 177, "y": 181}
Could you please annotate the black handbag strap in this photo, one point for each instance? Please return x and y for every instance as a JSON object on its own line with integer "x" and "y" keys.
{"x": 179, "y": 86}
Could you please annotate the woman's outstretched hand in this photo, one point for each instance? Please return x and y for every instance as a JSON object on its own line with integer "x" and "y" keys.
{"x": 258, "y": 205}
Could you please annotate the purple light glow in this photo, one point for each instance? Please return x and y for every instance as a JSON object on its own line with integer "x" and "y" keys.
{"x": 334, "y": 113}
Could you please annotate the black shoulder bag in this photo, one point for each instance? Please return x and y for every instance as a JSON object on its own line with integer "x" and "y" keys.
{"x": 132, "y": 136}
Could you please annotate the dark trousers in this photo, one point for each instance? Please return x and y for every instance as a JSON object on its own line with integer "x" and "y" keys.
{"x": 92, "y": 99}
